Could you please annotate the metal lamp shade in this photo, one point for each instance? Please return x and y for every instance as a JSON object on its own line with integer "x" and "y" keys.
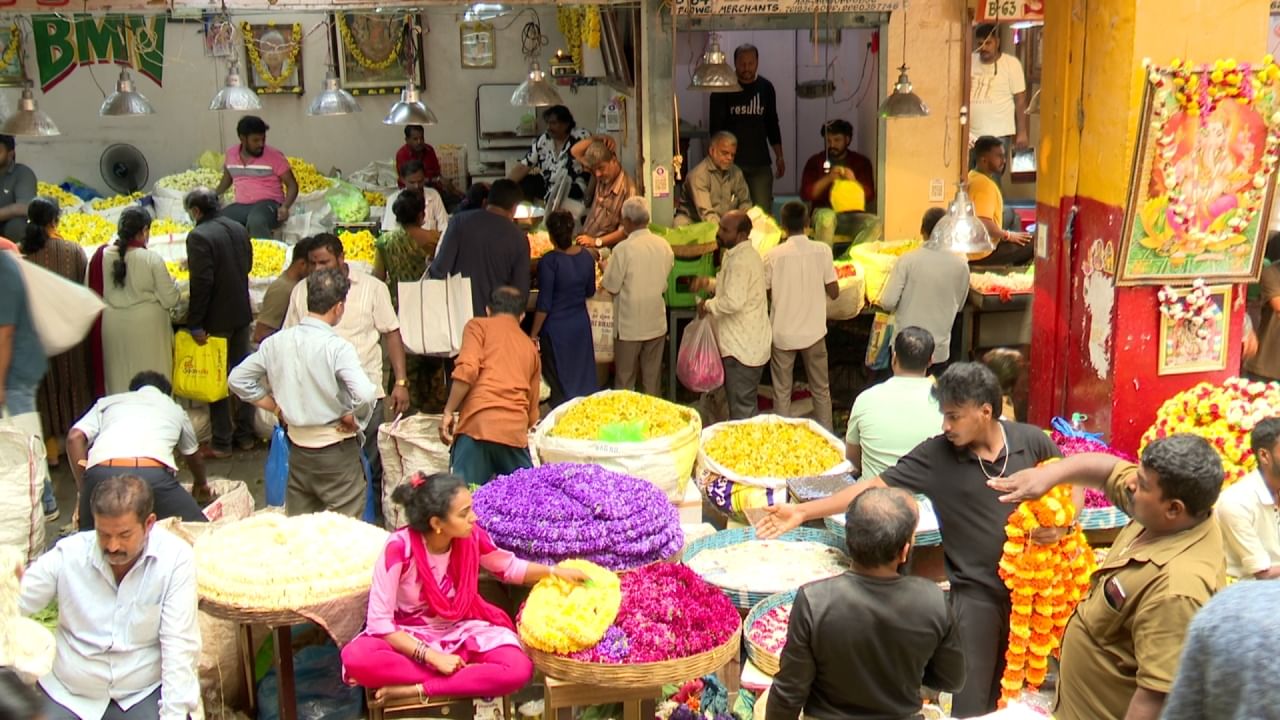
{"x": 29, "y": 120}
{"x": 714, "y": 74}
{"x": 333, "y": 100}
{"x": 125, "y": 101}
{"x": 234, "y": 95}
{"x": 903, "y": 102}
{"x": 961, "y": 231}
{"x": 535, "y": 91}
{"x": 410, "y": 110}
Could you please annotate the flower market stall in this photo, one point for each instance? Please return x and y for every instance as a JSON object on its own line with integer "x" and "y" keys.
{"x": 749, "y": 570}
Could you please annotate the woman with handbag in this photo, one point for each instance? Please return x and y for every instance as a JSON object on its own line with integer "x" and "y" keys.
{"x": 65, "y": 394}
{"x": 137, "y": 332}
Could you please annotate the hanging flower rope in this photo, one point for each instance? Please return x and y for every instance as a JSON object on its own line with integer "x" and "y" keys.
{"x": 353, "y": 48}
{"x": 591, "y": 26}
{"x": 1045, "y": 583}
{"x": 274, "y": 83}
{"x": 570, "y": 20}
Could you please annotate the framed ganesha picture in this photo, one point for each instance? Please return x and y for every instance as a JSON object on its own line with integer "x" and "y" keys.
{"x": 1203, "y": 174}
{"x": 378, "y": 52}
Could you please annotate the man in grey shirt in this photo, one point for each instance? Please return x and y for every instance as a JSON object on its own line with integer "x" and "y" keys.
{"x": 311, "y": 378}
{"x": 927, "y": 288}
{"x": 17, "y": 188}
{"x": 715, "y": 186}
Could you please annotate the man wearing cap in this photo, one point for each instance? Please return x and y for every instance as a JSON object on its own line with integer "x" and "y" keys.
{"x": 837, "y": 162}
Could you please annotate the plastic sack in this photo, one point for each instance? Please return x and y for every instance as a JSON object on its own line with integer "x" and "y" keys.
{"x": 406, "y": 446}
{"x": 876, "y": 261}
{"x": 347, "y": 202}
{"x": 850, "y": 300}
{"x": 276, "y": 473}
{"x": 824, "y": 225}
{"x": 199, "y": 371}
{"x": 665, "y": 461}
{"x": 62, "y": 311}
{"x": 878, "y": 345}
{"x": 765, "y": 233}
{"x": 600, "y": 313}
{"x": 698, "y": 365}
{"x": 318, "y": 685}
{"x": 848, "y": 196}
{"x": 22, "y": 474}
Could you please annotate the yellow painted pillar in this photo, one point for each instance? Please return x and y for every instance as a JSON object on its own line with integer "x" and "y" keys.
{"x": 1094, "y": 346}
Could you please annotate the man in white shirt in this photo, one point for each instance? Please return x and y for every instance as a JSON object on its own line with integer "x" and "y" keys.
{"x": 414, "y": 176}
{"x": 135, "y": 433}
{"x": 127, "y": 636}
{"x": 927, "y": 288}
{"x": 997, "y": 91}
{"x": 740, "y": 307}
{"x": 1247, "y": 511}
{"x": 312, "y": 379}
{"x": 369, "y": 317}
{"x": 636, "y": 275}
{"x": 800, "y": 276}
{"x": 888, "y": 420}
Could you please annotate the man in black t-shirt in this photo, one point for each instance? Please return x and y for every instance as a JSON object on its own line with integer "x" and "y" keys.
{"x": 751, "y": 114}
{"x": 952, "y": 470}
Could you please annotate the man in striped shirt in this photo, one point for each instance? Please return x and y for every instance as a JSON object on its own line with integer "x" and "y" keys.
{"x": 264, "y": 184}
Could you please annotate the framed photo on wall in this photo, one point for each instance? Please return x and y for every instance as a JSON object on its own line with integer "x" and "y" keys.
{"x": 375, "y": 52}
{"x": 478, "y": 44}
{"x": 11, "y": 56}
{"x": 273, "y": 55}
{"x": 1197, "y": 343}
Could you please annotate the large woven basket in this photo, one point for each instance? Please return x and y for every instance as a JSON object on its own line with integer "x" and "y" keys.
{"x": 639, "y": 674}
{"x": 271, "y": 618}
{"x": 746, "y": 599}
{"x": 768, "y": 662}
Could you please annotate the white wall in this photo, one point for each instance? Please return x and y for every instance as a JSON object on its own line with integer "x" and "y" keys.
{"x": 183, "y": 127}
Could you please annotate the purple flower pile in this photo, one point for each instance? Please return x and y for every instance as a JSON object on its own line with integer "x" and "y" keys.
{"x": 567, "y": 510}
{"x": 668, "y": 612}
{"x": 1077, "y": 445}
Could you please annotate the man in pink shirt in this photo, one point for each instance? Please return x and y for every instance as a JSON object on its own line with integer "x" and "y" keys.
{"x": 264, "y": 184}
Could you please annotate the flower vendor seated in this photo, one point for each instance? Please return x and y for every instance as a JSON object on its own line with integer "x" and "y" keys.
{"x": 428, "y": 632}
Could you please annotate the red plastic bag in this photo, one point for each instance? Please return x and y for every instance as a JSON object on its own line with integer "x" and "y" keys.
{"x": 698, "y": 365}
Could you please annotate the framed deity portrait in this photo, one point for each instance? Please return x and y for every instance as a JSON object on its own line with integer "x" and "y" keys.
{"x": 11, "y": 56}
{"x": 378, "y": 52}
{"x": 478, "y": 44}
{"x": 1197, "y": 343}
{"x": 273, "y": 55}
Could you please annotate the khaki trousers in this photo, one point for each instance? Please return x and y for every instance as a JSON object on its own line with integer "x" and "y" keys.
{"x": 782, "y": 367}
{"x": 642, "y": 358}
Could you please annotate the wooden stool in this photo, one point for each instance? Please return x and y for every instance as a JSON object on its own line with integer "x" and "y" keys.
{"x": 563, "y": 695}
{"x": 442, "y": 707}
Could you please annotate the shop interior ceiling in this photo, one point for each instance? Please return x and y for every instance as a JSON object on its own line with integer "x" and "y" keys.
{"x": 194, "y": 9}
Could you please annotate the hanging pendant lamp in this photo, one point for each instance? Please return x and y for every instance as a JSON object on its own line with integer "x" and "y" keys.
{"x": 410, "y": 110}
{"x": 903, "y": 102}
{"x": 125, "y": 101}
{"x": 29, "y": 120}
{"x": 535, "y": 91}
{"x": 333, "y": 100}
{"x": 961, "y": 231}
{"x": 713, "y": 73}
{"x": 234, "y": 95}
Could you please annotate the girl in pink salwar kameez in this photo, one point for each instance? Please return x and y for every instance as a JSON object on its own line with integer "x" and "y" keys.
{"x": 428, "y": 632}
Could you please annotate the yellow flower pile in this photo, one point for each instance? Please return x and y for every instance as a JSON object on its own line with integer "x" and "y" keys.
{"x": 191, "y": 179}
{"x": 165, "y": 226}
{"x": 540, "y": 244}
{"x": 64, "y": 198}
{"x": 1045, "y": 582}
{"x": 357, "y": 246}
{"x": 375, "y": 199}
{"x": 584, "y": 420}
{"x": 1224, "y": 415}
{"x": 309, "y": 179}
{"x": 86, "y": 229}
{"x": 268, "y": 259}
{"x": 115, "y": 201}
{"x": 772, "y": 448}
{"x": 178, "y": 270}
{"x": 563, "y": 617}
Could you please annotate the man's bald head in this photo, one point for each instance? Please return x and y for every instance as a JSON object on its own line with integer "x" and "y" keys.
{"x": 879, "y": 524}
{"x": 735, "y": 227}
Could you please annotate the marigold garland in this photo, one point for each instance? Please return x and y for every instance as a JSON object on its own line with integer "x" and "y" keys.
{"x": 1045, "y": 583}
{"x": 564, "y": 617}
{"x": 273, "y": 82}
{"x": 353, "y": 48}
{"x": 570, "y": 21}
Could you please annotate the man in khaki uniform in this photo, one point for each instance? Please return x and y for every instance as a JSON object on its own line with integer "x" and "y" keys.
{"x": 1121, "y": 647}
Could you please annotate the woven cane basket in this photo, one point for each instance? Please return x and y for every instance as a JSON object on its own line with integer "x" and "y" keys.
{"x": 639, "y": 674}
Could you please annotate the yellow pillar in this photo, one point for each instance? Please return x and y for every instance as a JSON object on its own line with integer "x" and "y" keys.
{"x": 1094, "y": 344}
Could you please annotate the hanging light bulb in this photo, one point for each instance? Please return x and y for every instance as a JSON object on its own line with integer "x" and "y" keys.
{"x": 961, "y": 231}
{"x": 125, "y": 101}
{"x": 29, "y": 120}
{"x": 410, "y": 110}
{"x": 714, "y": 74}
{"x": 234, "y": 95}
{"x": 333, "y": 100}
{"x": 535, "y": 91}
{"x": 903, "y": 102}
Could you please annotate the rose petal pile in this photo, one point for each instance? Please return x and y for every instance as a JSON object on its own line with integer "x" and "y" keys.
{"x": 564, "y": 617}
{"x": 769, "y": 631}
{"x": 565, "y": 510}
{"x": 772, "y": 449}
{"x": 667, "y": 613}
{"x": 585, "y": 419}
{"x": 1222, "y": 414}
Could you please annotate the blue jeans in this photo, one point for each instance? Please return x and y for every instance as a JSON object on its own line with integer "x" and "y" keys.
{"x": 20, "y": 400}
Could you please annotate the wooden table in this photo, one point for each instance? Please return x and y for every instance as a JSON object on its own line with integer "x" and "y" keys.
{"x": 561, "y": 695}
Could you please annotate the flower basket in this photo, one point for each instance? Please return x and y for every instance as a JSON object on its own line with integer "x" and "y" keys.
{"x": 768, "y": 662}
{"x": 927, "y": 533}
{"x": 640, "y": 674}
{"x": 744, "y": 598}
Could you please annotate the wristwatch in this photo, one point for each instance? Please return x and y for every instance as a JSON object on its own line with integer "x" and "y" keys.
{"x": 599, "y": 242}
{"x": 402, "y": 383}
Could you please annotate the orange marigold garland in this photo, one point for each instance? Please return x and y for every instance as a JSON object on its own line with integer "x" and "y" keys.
{"x": 1045, "y": 583}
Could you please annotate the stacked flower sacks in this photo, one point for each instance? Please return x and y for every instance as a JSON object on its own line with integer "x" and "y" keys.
{"x": 1046, "y": 582}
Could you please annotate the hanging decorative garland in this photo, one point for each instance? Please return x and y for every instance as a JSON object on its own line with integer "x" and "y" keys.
{"x": 353, "y": 48}
{"x": 591, "y": 26}
{"x": 273, "y": 83}
{"x": 570, "y": 20}
{"x": 1045, "y": 583}
{"x": 11, "y": 48}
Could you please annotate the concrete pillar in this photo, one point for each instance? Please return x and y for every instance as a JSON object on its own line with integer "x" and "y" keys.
{"x": 656, "y": 97}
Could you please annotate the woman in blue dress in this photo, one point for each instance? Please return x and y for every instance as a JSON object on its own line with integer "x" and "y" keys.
{"x": 561, "y": 326}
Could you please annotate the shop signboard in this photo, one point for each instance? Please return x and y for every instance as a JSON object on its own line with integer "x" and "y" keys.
{"x": 65, "y": 42}
{"x": 1010, "y": 10}
{"x": 783, "y": 7}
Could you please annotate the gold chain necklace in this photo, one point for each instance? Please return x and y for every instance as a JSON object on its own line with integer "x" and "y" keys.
{"x": 983, "y": 466}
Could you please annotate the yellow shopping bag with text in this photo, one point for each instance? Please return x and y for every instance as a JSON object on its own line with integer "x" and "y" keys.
{"x": 199, "y": 371}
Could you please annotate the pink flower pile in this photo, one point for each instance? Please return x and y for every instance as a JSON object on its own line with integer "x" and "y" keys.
{"x": 1077, "y": 445}
{"x": 769, "y": 631}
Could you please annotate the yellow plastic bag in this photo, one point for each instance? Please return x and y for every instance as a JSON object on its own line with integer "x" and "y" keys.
{"x": 199, "y": 371}
{"x": 848, "y": 196}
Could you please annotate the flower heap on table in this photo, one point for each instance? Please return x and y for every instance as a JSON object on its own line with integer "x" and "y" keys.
{"x": 64, "y": 198}
{"x": 772, "y": 449}
{"x": 562, "y": 617}
{"x": 1222, "y": 414}
{"x": 358, "y": 246}
{"x": 589, "y": 417}
{"x": 309, "y": 179}
{"x": 768, "y": 566}
{"x": 769, "y": 631}
{"x": 566, "y": 510}
{"x": 1046, "y": 582}
{"x": 1093, "y": 499}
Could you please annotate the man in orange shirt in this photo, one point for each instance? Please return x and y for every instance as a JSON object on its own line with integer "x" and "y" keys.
{"x": 1012, "y": 248}
{"x": 494, "y": 399}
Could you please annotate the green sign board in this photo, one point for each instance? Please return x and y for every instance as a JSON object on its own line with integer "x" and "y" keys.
{"x": 64, "y": 43}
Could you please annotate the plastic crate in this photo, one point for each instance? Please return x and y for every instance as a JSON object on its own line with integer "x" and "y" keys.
{"x": 679, "y": 294}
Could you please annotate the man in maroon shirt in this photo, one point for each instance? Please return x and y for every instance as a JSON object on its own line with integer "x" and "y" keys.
{"x": 815, "y": 183}
{"x": 416, "y": 148}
